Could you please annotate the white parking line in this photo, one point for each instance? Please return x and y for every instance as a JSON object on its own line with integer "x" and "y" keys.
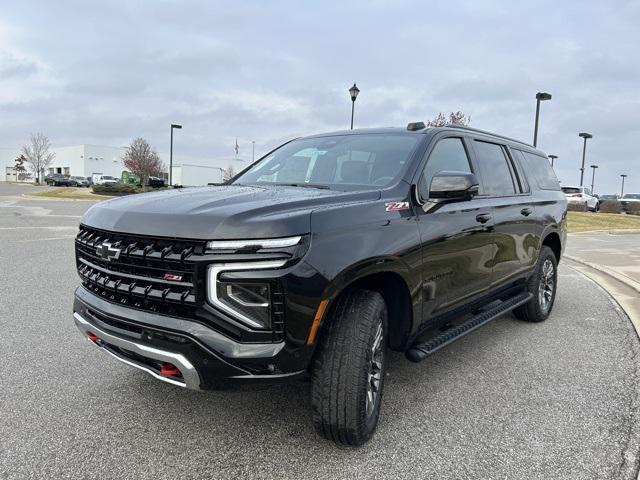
{"x": 45, "y": 228}
{"x": 66, "y": 237}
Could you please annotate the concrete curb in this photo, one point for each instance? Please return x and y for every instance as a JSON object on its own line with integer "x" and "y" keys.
{"x": 617, "y": 231}
{"x": 31, "y": 196}
{"x": 617, "y": 276}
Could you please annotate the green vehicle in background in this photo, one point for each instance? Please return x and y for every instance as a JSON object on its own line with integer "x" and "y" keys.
{"x": 129, "y": 178}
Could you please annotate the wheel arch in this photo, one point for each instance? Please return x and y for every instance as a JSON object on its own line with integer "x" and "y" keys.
{"x": 552, "y": 240}
{"x": 394, "y": 288}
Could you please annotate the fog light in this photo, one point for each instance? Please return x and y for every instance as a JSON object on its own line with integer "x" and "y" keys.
{"x": 252, "y": 300}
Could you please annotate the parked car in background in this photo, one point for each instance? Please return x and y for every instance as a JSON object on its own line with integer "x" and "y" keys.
{"x": 608, "y": 198}
{"x": 630, "y": 202}
{"x": 80, "y": 181}
{"x": 58, "y": 179}
{"x": 105, "y": 179}
{"x": 581, "y": 196}
{"x": 155, "y": 182}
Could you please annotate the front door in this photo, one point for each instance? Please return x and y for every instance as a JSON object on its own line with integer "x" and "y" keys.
{"x": 457, "y": 240}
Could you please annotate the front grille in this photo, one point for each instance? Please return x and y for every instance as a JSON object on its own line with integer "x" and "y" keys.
{"x": 136, "y": 278}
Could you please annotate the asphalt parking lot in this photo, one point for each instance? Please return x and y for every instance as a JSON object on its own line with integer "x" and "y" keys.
{"x": 512, "y": 400}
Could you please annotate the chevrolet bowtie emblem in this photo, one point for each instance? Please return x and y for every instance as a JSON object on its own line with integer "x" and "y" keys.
{"x": 106, "y": 251}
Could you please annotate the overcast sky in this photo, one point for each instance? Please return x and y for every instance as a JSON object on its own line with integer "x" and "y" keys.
{"x": 107, "y": 71}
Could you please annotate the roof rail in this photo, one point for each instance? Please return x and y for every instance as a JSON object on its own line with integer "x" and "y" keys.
{"x": 477, "y": 130}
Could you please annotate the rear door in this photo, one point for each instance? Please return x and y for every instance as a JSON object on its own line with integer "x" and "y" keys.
{"x": 510, "y": 199}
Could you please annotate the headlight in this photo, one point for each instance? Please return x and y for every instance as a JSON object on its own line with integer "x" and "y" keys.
{"x": 247, "y": 301}
{"x": 253, "y": 244}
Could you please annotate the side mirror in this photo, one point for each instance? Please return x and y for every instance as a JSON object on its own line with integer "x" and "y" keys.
{"x": 450, "y": 186}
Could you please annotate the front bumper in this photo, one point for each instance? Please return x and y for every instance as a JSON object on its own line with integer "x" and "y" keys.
{"x": 116, "y": 347}
{"x": 205, "y": 358}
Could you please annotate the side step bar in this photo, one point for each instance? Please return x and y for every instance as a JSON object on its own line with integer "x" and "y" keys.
{"x": 420, "y": 351}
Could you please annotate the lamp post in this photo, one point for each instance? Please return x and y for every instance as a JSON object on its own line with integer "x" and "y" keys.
{"x": 353, "y": 91}
{"x": 593, "y": 177}
{"x": 540, "y": 97}
{"x": 173, "y": 125}
{"x": 552, "y": 157}
{"x": 622, "y": 189}
{"x": 253, "y": 151}
{"x": 584, "y": 135}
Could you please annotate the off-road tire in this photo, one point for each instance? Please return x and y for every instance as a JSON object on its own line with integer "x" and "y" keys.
{"x": 342, "y": 368}
{"x": 534, "y": 310}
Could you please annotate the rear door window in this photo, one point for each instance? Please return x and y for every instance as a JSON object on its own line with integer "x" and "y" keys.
{"x": 497, "y": 178}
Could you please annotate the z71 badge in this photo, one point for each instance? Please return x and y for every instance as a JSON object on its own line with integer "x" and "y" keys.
{"x": 396, "y": 206}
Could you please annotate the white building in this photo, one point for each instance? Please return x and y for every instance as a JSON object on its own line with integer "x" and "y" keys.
{"x": 86, "y": 160}
{"x": 76, "y": 160}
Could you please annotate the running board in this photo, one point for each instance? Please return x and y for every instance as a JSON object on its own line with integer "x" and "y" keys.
{"x": 420, "y": 351}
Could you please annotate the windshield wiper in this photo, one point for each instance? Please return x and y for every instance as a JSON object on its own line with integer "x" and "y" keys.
{"x": 308, "y": 185}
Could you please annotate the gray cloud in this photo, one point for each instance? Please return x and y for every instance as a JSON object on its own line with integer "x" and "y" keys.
{"x": 106, "y": 72}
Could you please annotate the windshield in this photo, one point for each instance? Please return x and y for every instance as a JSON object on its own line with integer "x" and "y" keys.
{"x": 634, "y": 196}
{"x": 571, "y": 190}
{"x": 340, "y": 161}
{"x": 608, "y": 197}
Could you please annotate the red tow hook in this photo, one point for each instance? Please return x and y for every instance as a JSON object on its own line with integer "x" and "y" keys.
{"x": 169, "y": 370}
{"x": 93, "y": 337}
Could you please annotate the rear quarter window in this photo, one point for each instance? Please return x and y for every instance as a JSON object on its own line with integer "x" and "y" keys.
{"x": 540, "y": 170}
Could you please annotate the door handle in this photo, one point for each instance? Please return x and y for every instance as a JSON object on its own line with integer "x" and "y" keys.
{"x": 526, "y": 211}
{"x": 483, "y": 217}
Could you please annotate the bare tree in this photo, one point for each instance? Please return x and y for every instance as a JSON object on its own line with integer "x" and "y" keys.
{"x": 455, "y": 118}
{"x": 37, "y": 154}
{"x": 228, "y": 173}
{"x": 143, "y": 160}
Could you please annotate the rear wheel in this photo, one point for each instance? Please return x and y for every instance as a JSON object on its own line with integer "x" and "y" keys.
{"x": 542, "y": 285}
{"x": 348, "y": 370}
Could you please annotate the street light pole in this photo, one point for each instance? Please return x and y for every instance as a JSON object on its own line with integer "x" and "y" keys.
{"x": 540, "y": 97}
{"x": 622, "y": 189}
{"x": 353, "y": 91}
{"x": 173, "y": 125}
{"x": 593, "y": 177}
{"x": 584, "y": 135}
{"x": 253, "y": 151}
{"x": 552, "y": 157}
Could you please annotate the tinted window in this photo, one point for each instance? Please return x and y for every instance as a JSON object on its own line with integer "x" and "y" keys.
{"x": 448, "y": 154}
{"x": 496, "y": 174}
{"x": 371, "y": 160}
{"x": 571, "y": 190}
{"x": 518, "y": 163}
{"x": 541, "y": 170}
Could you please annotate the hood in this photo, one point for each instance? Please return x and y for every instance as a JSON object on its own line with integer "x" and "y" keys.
{"x": 222, "y": 212}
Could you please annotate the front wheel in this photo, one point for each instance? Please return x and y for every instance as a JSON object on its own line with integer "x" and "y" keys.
{"x": 542, "y": 284}
{"x": 348, "y": 370}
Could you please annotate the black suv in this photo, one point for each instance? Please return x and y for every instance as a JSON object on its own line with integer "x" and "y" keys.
{"x": 57, "y": 179}
{"x": 319, "y": 257}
